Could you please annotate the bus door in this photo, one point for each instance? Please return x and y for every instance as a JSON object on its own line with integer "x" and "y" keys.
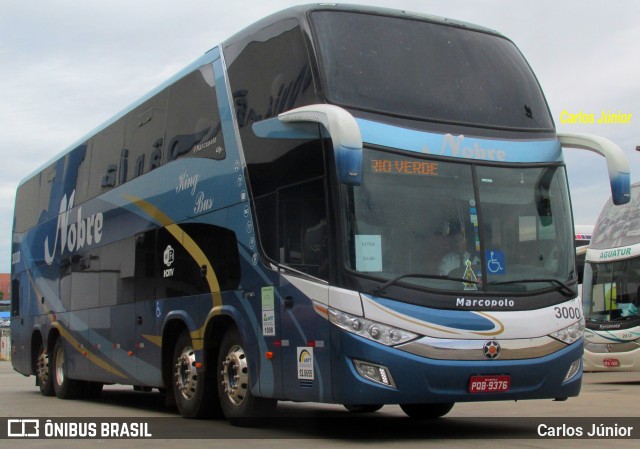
{"x": 303, "y": 246}
{"x": 148, "y": 310}
{"x": 305, "y": 339}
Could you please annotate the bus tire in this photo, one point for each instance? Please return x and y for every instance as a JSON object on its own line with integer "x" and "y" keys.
{"x": 363, "y": 408}
{"x": 238, "y": 404}
{"x": 427, "y": 411}
{"x": 193, "y": 391}
{"x": 43, "y": 371}
{"x": 64, "y": 386}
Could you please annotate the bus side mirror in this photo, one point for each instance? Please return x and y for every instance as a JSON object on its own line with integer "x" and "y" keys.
{"x": 337, "y": 123}
{"x": 617, "y": 164}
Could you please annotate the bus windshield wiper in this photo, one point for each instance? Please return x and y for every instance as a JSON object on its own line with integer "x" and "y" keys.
{"x": 382, "y": 287}
{"x": 562, "y": 287}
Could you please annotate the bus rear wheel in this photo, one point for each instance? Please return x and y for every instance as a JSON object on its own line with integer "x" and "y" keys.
{"x": 64, "y": 387}
{"x": 427, "y": 411}
{"x": 193, "y": 388}
{"x": 45, "y": 380}
{"x": 238, "y": 404}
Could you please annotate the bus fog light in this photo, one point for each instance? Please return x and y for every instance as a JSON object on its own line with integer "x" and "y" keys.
{"x": 573, "y": 370}
{"x": 375, "y": 373}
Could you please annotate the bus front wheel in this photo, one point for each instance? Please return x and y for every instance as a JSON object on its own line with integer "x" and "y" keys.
{"x": 64, "y": 387}
{"x": 427, "y": 411}
{"x": 238, "y": 404}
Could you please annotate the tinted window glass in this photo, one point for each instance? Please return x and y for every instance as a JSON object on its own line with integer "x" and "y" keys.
{"x": 144, "y": 138}
{"x": 303, "y": 232}
{"x": 15, "y": 297}
{"x": 180, "y": 272}
{"x": 427, "y": 71}
{"x": 283, "y": 82}
{"x": 501, "y": 229}
{"x": 193, "y": 122}
{"x": 106, "y": 154}
{"x": 26, "y": 211}
{"x": 270, "y": 74}
{"x": 290, "y": 201}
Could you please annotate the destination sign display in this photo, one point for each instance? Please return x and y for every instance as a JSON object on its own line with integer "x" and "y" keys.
{"x": 404, "y": 167}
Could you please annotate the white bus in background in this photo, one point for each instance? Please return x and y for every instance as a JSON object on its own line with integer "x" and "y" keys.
{"x": 611, "y": 289}
{"x": 582, "y": 238}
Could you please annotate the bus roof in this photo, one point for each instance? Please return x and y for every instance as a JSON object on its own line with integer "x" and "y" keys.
{"x": 247, "y": 34}
{"x": 618, "y": 226}
{"x": 300, "y": 13}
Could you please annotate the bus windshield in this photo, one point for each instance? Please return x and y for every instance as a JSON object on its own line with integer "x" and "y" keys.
{"x": 427, "y": 70}
{"x": 614, "y": 291}
{"x": 458, "y": 226}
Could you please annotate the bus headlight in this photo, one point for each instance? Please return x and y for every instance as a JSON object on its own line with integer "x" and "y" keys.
{"x": 570, "y": 334}
{"x": 382, "y": 333}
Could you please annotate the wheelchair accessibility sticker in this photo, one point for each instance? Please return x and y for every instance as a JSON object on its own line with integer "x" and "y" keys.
{"x": 495, "y": 262}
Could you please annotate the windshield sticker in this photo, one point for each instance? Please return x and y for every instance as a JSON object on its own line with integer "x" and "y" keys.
{"x": 495, "y": 262}
{"x": 268, "y": 312}
{"x": 368, "y": 253}
{"x": 470, "y": 276}
{"x": 473, "y": 214}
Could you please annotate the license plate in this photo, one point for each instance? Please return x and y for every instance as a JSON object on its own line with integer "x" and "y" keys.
{"x": 611, "y": 363}
{"x": 489, "y": 384}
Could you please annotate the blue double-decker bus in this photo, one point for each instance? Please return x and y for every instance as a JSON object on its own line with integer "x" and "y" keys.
{"x": 337, "y": 204}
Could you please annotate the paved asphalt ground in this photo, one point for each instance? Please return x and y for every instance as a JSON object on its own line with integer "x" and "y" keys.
{"x": 606, "y": 398}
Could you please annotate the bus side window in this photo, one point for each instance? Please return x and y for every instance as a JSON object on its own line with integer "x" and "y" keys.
{"x": 106, "y": 149}
{"x": 193, "y": 122}
{"x": 15, "y": 297}
{"x": 144, "y": 136}
{"x": 303, "y": 238}
{"x": 25, "y": 215}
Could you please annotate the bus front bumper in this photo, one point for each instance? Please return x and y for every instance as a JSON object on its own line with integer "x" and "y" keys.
{"x": 416, "y": 379}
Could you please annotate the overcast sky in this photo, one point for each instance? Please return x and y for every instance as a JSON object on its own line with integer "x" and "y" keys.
{"x": 67, "y": 66}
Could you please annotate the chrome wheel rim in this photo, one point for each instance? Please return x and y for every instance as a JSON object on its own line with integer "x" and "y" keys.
{"x": 42, "y": 367}
{"x": 60, "y": 366}
{"x": 235, "y": 375}
{"x": 185, "y": 374}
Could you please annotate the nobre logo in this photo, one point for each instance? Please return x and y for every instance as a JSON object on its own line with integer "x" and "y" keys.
{"x": 73, "y": 235}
